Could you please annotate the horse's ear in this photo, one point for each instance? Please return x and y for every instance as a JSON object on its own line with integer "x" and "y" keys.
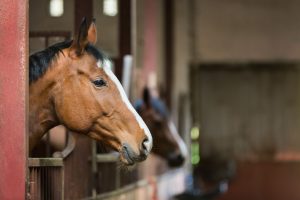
{"x": 86, "y": 34}
{"x": 92, "y": 32}
{"x": 147, "y": 97}
{"x": 80, "y": 41}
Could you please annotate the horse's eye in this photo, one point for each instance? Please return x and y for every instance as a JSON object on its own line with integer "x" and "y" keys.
{"x": 99, "y": 82}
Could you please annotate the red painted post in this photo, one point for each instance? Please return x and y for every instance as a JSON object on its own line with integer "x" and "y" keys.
{"x": 13, "y": 84}
{"x": 151, "y": 36}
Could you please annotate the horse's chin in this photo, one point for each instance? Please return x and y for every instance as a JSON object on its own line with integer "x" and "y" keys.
{"x": 128, "y": 155}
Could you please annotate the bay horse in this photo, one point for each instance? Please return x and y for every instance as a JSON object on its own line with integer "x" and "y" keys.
{"x": 167, "y": 142}
{"x": 70, "y": 85}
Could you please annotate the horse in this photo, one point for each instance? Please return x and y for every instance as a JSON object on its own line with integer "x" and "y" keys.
{"x": 167, "y": 142}
{"x": 70, "y": 85}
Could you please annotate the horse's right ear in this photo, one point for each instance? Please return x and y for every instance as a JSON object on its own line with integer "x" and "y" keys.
{"x": 147, "y": 97}
{"x": 80, "y": 41}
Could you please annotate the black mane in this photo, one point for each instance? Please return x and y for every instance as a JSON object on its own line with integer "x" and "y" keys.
{"x": 40, "y": 61}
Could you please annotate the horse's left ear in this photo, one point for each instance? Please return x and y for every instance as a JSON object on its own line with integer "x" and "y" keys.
{"x": 147, "y": 97}
{"x": 85, "y": 35}
{"x": 92, "y": 32}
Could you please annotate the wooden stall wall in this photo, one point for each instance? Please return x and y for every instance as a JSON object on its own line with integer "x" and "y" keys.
{"x": 265, "y": 180}
{"x": 78, "y": 182}
{"x": 248, "y": 111}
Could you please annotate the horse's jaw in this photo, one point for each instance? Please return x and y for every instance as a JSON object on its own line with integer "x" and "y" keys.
{"x": 38, "y": 128}
{"x": 41, "y": 117}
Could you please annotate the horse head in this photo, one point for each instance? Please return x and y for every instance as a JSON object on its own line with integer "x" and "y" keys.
{"x": 167, "y": 142}
{"x": 78, "y": 90}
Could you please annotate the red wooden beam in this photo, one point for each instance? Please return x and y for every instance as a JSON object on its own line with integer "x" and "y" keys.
{"x": 13, "y": 84}
{"x": 150, "y": 59}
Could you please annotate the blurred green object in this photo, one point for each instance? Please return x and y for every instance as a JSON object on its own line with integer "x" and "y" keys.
{"x": 195, "y": 147}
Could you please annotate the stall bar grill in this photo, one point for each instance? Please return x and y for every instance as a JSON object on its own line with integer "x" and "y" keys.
{"x": 46, "y": 179}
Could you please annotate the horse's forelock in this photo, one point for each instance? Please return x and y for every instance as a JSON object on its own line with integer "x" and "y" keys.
{"x": 39, "y": 62}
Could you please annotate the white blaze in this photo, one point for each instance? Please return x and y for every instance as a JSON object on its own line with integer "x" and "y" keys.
{"x": 181, "y": 144}
{"x": 140, "y": 121}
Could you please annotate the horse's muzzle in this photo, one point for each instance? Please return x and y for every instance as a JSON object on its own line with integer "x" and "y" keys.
{"x": 130, "y": 156}
{"x": 176, "y": 160}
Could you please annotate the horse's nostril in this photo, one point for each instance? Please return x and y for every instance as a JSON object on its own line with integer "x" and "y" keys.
{"x": 146, "y": 146}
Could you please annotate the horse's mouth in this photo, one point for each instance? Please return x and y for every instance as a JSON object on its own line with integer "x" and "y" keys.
{"x": 129, "y": 157}
{"x": 126, "y": 158}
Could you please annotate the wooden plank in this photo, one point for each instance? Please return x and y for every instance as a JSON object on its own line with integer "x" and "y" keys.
{"x": 109, "y": 157}
{"x": 13, "y": 103}
{"x": 248, "y": 111}
{"x": 45, "y": 162}
{"x": 265, "y": 180}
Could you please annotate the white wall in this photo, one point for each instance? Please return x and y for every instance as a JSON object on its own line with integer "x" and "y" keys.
{"x": 243, "y": 30}
{"x": 40, "y": 19}
{"x": 108, "y": 29}
{"x": 249, "y": 113}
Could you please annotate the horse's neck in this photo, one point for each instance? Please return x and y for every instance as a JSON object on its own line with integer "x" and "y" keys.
{"x": 41, "y": 112}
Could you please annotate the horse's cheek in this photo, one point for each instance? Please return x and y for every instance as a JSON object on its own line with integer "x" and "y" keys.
{"x": 71, "y": 109}
{"x": 81, "y": 118}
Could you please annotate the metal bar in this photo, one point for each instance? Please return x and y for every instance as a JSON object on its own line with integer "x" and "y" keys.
{"x": 32, "y": 184}
{"x": 71, "y": 143}
{"x": 41, "y": 183}
{"x": 46, "y": 178}
{"x": 37, "y": 180}
{"x": 57, "y": 184}
{"x": 48, "y": 189}
{"x": 94, "y": 168}
{"x": 44, "y": 186}
{"x": 62, "y": 182}
{"x": 37, "y": 186}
